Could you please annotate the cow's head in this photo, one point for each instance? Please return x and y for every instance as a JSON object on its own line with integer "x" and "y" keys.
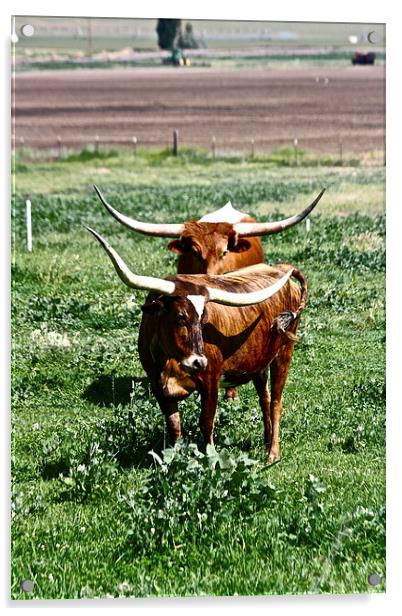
{"x": 212, "y": 244}
{"x": 208, "y": 247}
{"x": 178, "y": 306}
{"x": 177, "y": 322}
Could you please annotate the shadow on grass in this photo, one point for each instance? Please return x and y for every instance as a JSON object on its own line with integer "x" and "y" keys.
{"x": 131, "y": 437}
{"x": 109, "y": 390}
{"x": 52, "y": 470}
{"x": 127, "y": 435}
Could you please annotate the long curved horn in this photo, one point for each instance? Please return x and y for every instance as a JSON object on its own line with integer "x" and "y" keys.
{"x": 228, "y": 298}
{"x": 251, "y": 229}
{"x": 166, "y": 287}
{"x": 148, "y": 228}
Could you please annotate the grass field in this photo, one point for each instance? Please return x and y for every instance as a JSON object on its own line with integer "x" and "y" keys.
{"x": 329, "y": 59}
{"x": 94, "y": 513}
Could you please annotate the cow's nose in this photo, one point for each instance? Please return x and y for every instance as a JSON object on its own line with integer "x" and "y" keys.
{"x": 200, "y": 363}
{"x": 195, "y": 362}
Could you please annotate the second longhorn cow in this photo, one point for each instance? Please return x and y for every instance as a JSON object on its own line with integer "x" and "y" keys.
{"x": 200, "y": 331}
{"x": 220, "y": 242}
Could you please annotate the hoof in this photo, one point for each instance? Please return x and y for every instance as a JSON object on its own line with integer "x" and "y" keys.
{"x": 273, "y": 458}
{"x": 231, "y": 394}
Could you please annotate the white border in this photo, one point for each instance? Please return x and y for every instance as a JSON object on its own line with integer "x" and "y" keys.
{"x": 292, "y": 10}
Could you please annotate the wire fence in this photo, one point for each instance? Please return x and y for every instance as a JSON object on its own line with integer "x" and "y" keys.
{"x": 295, "y": 150}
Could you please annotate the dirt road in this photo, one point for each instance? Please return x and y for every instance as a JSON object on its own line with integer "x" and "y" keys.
{"x": 318, "y": 106}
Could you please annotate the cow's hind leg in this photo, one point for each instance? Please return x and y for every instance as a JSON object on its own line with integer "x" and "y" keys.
{"x": 279, "y": 369}
{"x": 209, "y": 401}
{"x": 260, "y": 384}
{"x": 231, "y": 393}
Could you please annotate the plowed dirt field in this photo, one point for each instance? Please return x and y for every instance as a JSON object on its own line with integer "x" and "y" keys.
{"x": 321, "y": 107}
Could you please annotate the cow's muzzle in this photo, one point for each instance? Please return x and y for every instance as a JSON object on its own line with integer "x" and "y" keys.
{"x": 195, "y": 363}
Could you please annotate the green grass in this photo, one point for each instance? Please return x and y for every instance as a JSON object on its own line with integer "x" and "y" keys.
{"x": 94, "y": 514}
{"x": 193, "y": 183}
{"x": 330, "y": 59}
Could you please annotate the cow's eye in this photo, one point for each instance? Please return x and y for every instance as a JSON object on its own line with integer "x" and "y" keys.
{"x": 225, "y": 252}
{"x": 180, "y": 317}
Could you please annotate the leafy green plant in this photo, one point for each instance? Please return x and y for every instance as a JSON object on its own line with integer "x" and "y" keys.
{"x": 306, "y": 518}
{"x": 366, "y": 536}
{"x": 190, "y": 493}
{"x": 89, "y": 477}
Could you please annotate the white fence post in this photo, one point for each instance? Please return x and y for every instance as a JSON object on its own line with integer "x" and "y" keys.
{"x": 29, "y": 224}
{"x": 296, "y": 143}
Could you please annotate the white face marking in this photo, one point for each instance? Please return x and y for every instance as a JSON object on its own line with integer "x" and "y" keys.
{"x": 188, "y": 362}
{"x": 198, "y": 302}
{"x": 195, "y": 361}
{"x": 227, "y": 213}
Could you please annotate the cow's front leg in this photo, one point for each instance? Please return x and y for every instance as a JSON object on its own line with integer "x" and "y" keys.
{"x": 171, "y": 413}
{"x": 209, "y": 400}
{"x": 173, "y": 425}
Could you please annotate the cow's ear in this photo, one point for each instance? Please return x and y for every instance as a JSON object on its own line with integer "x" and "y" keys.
{"x": 183, "y": 244}
{"x": 241, "y": 245}
{"x": 155, "y": 307}
{"x": 237, "y": 244}
{"x": 204, "y": 318}
{"x": 176, "y": 246}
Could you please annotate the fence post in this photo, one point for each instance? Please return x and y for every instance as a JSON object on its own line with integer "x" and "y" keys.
{"x": 295, "y": 143}
{"x": 135, "y": 145}
{"x": 213, "y": 147}
{"x": 341, "y": 152}
{"x": 308, "y": 225}
{"x": 96, "y": 143}
{"x": 28, "y": 210}
{"x": 175, "y": 142}
{"x": 59, "y": 145}
{"x": 252, "y": 148}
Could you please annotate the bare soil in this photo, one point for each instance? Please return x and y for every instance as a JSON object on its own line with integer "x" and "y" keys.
{"x": 320, "y": 107}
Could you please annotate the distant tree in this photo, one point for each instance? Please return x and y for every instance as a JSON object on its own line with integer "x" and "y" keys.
{"x": 188, "y": 39}
{"x": 168, "y": 31}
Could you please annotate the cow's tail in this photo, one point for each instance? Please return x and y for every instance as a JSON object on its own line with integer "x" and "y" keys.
{"x": 304, "y": 290}
{"x": 284, "y": 320}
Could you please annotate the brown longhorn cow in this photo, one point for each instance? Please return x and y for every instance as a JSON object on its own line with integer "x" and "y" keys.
{"x": 220, "y": 242}
{"x": 201, "y": 331}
